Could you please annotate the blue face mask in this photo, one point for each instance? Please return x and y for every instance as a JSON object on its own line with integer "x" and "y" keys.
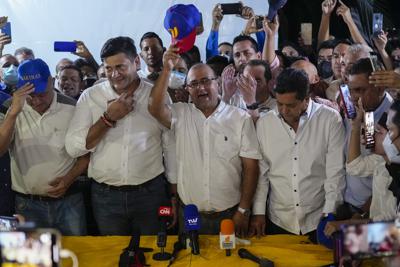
{"x": 10, "y": 75}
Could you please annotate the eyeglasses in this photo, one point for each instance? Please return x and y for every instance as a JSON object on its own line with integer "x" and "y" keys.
{"x": 206, "y": 82}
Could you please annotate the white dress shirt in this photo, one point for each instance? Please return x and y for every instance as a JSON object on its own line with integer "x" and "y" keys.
{"x": 303, "y": 171}
{"x": 208, "y": 154}
{"x": 384, "y": 203}
{"x": 129, "y": 154}
{"x": 37, "y": 151}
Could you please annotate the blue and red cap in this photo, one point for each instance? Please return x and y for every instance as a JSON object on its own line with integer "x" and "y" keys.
{"x": 181, "y": 22}
{"x": 34, "y": 71}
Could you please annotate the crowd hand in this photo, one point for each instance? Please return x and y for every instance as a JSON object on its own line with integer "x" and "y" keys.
{"x": 4, "y": 39}
{"x": 344, "y": 11}
{"x": 120, "y": 107}
{"x": 59, "y": 186}
{"x": 271, "y": 27}
{"x": 170, "y": 57}
{"x": 19, "y": 97}
{"x": 228, "y": 82}
{"x": 3, "y": 21}
{"x": 247, "y": 12}
{"x": 241, "y": 224}
{"x": 82, "y": 50}
{"x": 247, "y": 86}
{"x": 217, "y": 15}
{"x": 328, "y": 6}
{"x": 181, "y": 95}
{"x": 380, "y": 41}
{"x": 385, "y": 78}
{"x": 257, "y": 226}
{"x": 332, "y": 227}
{"x": 357, "y": 121}
{"x": 251, "y": 26}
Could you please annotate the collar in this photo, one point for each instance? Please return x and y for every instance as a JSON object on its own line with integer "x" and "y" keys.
{"x": 383, "y": 107}
{"x": 307, "y": 113}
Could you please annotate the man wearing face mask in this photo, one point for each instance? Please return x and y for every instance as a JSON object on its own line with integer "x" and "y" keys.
{"x": 8, "y": 75}
{"x": 8, "y": 82}
{"x": 325, "y": 54}
{"x": 176, "y": 82}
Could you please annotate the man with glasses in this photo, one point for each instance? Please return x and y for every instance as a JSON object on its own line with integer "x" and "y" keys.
{"x": 217, "y": 149}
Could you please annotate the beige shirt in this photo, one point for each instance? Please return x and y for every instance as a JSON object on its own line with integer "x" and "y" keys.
{"x": 129, "y": 154}
{"x": 209, "y": 152}
{"x": 37, "y": 152}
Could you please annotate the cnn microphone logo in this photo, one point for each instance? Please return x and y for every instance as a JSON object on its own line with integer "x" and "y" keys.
{"x": 165, "y": 211}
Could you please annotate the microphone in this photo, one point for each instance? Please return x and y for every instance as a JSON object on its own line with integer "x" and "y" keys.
{"x": 192, "y": 226}
{"x": 245, "y": 254}
{"x": 227, "y": 239}
{"x": 164, "y": 215}
{"x": 178, "y": 246}
{"x": 133, "y": 256}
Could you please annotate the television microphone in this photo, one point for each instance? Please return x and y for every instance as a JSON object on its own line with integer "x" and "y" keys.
{"x": 133, "y": 255}
{"x": 245, "y": 254}
{"x": 227, "y": 239}
{"x": 192, "y": 226}
{"x": 164, "y": 215}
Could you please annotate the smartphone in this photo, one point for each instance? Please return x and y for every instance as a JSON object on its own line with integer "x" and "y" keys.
{"x": 259, "y": 22}
{"x": 232, "y": 9}
{"x": 373, "y": 58}
{"x": 8, "y": 223}
{"x": 377, "y": 23}
{"x": 369, "y": 131}
{"x": 6, "y": 29}
{"x": 36, "y": 248}
{"x": 306, "y": 33}
{"x": 349, "y": 107}
{"x": 378, "y": 239}
{"x": 65, "y": 46}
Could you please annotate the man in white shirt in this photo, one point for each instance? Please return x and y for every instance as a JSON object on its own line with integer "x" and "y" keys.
{"x": 126, "y": 143}
{"x": 217, "y": 149}
{"x": 302, "y": 171}
{"x": 43, "y": 174}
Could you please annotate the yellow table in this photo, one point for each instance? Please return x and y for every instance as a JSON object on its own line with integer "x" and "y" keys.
{"x": 284, "y": 250}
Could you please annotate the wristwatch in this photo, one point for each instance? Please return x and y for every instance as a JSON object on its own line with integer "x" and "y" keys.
{"x": 253, "y": 106}
{"x": 245, "y": 212}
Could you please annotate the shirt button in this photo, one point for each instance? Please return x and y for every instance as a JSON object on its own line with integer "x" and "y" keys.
{"x": 295, "y": 190}
{"x": 297, "y": 205}
{"x": 294, "y": 175}
{"x": 295, "y": 143}
{"x": 295, "y": 158}
{"x": 291, "y": 129}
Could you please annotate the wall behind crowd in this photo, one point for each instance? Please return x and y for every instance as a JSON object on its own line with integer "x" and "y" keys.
{"x": 38, "y": 23}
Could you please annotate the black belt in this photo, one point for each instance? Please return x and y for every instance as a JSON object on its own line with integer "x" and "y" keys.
{"x": 73, "y": 189}
{"x": 212, "y": 214}
{"x": 127, "y": 188}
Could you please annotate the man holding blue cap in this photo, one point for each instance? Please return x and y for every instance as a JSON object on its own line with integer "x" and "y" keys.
{"x": 41, "y": 170}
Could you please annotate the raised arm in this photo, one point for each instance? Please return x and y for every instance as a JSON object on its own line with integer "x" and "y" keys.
{"x": 380, "y": 42}
{"x": 327, "y": 8}
{"x": 344, "y": 11}
{"x": 8, "y": 125}
{"x": 270, "y": 29}
{"x": 157, "y": 107}
{"x": 212, "y": 40}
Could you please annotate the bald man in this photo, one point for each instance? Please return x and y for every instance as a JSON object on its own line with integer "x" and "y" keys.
{"x": 317, "y": 86}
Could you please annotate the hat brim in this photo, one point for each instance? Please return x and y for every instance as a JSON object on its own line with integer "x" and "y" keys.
{"x": 39, "y": 86}
{"x": 186, "y": 43}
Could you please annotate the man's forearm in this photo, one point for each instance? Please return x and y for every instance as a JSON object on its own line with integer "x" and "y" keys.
{"x": 157, "y": 106}
{"x": 355, "y": 33}
{"x": 249, "y": 182}
{"x": 354, "y": 147}
{"x": 269, "y": 49}
{"x": 386, "y": 59}
{"x": 323, "y": 33}
{"x": 6, "y": 132}
{"x": 96, "y": 134}
{"x": 79, "y": 167}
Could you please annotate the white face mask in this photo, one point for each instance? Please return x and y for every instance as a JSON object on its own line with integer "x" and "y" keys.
{"x": 176, "y": 80}
{"x": 391, "y": 150}
{"x": 10, "y": 75}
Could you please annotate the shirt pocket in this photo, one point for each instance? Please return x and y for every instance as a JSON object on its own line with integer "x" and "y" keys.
{"x": 226, "y": 146}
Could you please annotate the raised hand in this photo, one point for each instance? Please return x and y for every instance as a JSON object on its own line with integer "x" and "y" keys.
{"x": 120, "y": 107}
{"x": 170, "y": 57}
{"x": 328, "y": 6}
{"x": 344, "y": 11}
{"x": 19, "y": 97}
{"x": 271, "y": 27}
{"x": 228, "y": 82}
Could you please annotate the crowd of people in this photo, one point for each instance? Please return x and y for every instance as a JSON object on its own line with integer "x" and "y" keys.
{"x": 256, "y": 134}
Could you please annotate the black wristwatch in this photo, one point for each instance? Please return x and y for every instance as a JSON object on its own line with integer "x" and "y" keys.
{"x": 253, "y": 106}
